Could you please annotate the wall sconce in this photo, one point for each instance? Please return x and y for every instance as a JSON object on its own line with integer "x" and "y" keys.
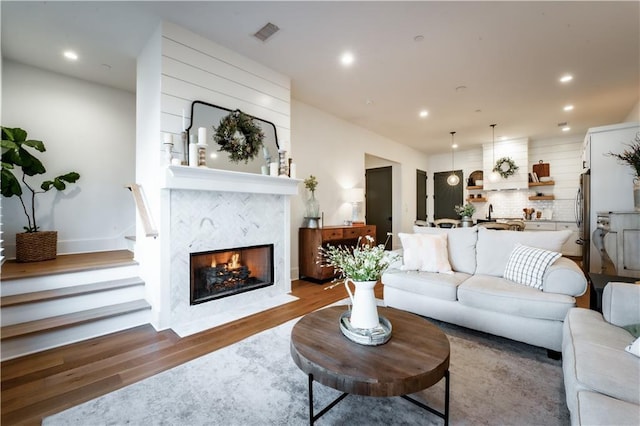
{"x": 355, "y": 196}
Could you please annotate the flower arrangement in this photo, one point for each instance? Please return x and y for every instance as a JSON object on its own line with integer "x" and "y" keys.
{"x": 365, "y": 262}
{"x": 466, "y": 210}
{"x": 311, "y": 183}
{"x": 631, "y": 156}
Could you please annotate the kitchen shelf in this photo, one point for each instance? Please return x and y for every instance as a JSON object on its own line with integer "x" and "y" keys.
{"x": 475, "y": 187}
{"x": 541, "y": 183}
{"x": 477, "y": 200}
{"x": 541, "y": 197}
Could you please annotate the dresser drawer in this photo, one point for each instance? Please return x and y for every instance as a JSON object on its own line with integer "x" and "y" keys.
{"x": 330, "y": 234}
{"x": 567, "y": 225}
{"x": 540, "y": 226}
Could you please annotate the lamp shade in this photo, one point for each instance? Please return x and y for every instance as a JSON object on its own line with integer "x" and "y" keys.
{"x": 354, "y": 195}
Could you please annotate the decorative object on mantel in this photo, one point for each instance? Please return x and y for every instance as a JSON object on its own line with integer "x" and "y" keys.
{"x": 505, "y": 167}
{"x": 202, "y": 147}
{"x": 362, "y": 265}
{"x": 466, "y": 211}
{"x": 312, "y": 208}
{"x": 238, "y": 135}
{"x": 32, "y": 245}
{"x": 631, "y": 157}
{"x": 283, "y": 169}
{"x": 168, "y": 147}
{"x": 453, "y": 178}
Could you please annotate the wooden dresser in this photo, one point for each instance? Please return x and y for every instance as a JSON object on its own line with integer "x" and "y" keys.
{"x": 310, "y": 239}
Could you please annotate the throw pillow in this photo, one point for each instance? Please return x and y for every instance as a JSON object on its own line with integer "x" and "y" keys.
{"x": 634, "y": 348}
{"x": 527, "y": 265}
{"x": 634, "y": 329}
{"x": 425, "y": 252}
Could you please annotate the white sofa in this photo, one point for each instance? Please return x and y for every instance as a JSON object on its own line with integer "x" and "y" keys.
{"x": 601, "y": 379}
{"x": 477, "y": 296}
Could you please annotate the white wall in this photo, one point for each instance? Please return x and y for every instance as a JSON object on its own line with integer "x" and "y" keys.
{"x": 88, "y": 128}
{"x": 564, "y": 157}
{"x": 334, "y": 151}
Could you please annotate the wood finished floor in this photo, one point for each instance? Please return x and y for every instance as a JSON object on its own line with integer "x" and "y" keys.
{"x": 38, "y": 385}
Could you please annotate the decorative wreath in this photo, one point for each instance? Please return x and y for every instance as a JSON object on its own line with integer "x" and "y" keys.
{"x": 239, "y": 136}
{"x": 505, "y": 167}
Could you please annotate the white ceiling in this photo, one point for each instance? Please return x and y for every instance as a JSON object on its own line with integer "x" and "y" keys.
{"x": 508, "y": 56}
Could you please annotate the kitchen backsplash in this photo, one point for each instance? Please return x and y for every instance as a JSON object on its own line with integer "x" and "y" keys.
{"x": 509, "y": 204}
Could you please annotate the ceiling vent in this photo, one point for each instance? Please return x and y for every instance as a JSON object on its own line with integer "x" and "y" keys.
{"x": 266, "y": 32}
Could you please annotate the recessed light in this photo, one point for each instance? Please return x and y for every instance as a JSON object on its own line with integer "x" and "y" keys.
{"x": 566, "y": 128}
{"x": 566, "y": 78}
{"x": 347, "y": 59}
{"x": 418, "y": 38}
{"x": 424, "y": 113}
{"x": 568, "y": 108}
{"x": 70, "y": 55}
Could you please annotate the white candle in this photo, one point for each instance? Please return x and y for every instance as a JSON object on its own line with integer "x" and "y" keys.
{"x": 184, "y": 121}
{"x": 292, "y": 171}
{"x": 168, "y": 138}
{"x": 193, "y": 155}
{"x": 273, "y": 169}
{"x": 202, "y": 135}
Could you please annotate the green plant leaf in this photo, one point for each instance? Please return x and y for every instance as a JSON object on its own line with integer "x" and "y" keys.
{"x": 31, "y": 166}
{"x": 7, "y": 144}
{"x": 9, "y": 184}
{"x": 70, "y": 177}
{"x": 39, "y": 145}
{"x": 58, "y": 184}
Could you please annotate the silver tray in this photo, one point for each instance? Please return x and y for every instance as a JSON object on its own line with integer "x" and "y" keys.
{"x": 366, "y": 336}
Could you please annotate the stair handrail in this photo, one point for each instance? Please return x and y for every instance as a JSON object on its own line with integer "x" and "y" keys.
{"x": 141, "y": 205}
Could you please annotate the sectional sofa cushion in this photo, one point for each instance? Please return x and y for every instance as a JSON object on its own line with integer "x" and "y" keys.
{"x": 623, "y": 291}
{"x": 422, "y": 252}
{"x": 527, "y": 265}
{"x": 494, "y": 246}
{"x": 461, "y": 244}
{"x": 501, "y": 295}
{"x": 438, "y": 286}
{"x": 598, "y": 409}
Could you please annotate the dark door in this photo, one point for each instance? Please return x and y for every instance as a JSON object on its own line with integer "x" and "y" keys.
{"x": 421, "y": 195}
{"x": 378, "y": 200}
{"x": 445, "y": 196}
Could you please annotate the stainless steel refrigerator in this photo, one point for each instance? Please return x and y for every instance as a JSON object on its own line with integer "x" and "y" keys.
{"x": 605, "y": 184}
{"x": 582, "y": 212}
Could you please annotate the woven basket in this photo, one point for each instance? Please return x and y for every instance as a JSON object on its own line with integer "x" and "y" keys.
{"x": 36, "y": 246}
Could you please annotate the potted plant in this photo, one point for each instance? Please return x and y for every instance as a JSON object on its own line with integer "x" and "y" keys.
{"x": 363, "y": 265}
{"x": 631, "y": 157}
{"x": 32, "y": 245}
{"x": 466, "y": 211}
{"x": 313, "y": 207}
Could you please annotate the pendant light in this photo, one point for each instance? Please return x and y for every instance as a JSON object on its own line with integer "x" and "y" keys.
{"x": 453, "y": 178}
{"x": 494, "y": 176}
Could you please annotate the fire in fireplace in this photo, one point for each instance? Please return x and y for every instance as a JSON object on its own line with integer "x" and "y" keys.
{"x": 221, "y": 273}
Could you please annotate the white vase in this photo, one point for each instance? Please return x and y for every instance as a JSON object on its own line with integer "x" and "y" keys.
{"x": 364, "y": 309}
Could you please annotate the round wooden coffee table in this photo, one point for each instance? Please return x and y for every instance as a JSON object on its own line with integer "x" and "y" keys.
{"x": 415, "y": 358}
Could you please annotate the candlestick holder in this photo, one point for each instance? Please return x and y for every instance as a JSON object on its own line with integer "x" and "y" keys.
{"x": 282, "y": 171}
{"x": 202, "y": 155}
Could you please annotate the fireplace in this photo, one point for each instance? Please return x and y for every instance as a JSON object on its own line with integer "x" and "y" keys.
{"x": 222, "y": 273}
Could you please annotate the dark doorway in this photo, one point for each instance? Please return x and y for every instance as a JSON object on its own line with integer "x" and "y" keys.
{"x": 379, "y": 201}
{"x": 421, "y": 195}
{"x": 445, "y": 196}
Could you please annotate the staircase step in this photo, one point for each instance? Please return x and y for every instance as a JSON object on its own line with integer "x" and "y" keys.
{"x": 12, "y": 270}
{"x": 72, "y": 319}
{"x": 59, "y": 293}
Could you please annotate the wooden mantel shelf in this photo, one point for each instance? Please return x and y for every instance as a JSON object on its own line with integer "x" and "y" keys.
{"x": 206, "y": 179}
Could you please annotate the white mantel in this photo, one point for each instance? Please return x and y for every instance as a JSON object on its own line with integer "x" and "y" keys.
{"x": 206, "y": 179}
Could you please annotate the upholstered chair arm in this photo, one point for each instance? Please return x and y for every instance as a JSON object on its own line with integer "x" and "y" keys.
{"x": 621, "y": 303}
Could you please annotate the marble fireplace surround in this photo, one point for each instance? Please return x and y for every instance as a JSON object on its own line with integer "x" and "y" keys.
{"x": 211, "y": 209}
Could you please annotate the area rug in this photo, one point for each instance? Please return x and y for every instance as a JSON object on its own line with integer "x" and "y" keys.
{"x": 494, "y": 381}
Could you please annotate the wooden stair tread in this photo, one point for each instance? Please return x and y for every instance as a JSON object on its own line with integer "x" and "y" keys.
{"x": 12, "y": 270}
{"x": 58, "y": 293}
{"x": 68, "y": 320}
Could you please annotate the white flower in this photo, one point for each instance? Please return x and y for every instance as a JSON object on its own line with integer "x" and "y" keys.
{"x": 365, "y": 262}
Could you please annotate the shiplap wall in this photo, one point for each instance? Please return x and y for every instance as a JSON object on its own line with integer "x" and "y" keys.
{"x": 517, "y": 150}
{"x": 195, "y": 68}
